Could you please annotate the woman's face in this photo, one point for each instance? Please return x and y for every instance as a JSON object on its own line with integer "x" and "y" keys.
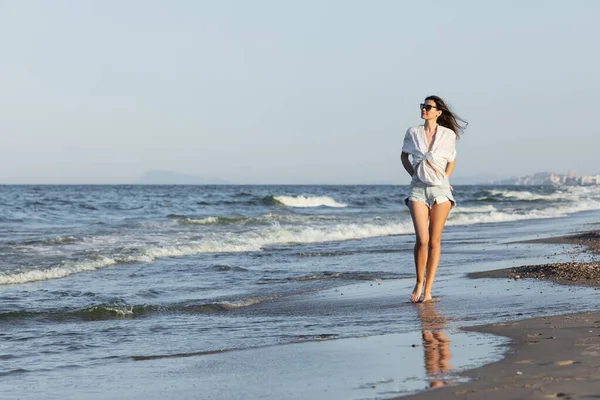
{"x": 429, "y": 111}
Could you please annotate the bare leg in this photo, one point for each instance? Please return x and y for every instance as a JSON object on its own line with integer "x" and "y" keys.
{"x": 444, "y": 351}
{"x": 435, "y": 344}
{"x": 420, "y": 216}
{"x": 437, "y": 219}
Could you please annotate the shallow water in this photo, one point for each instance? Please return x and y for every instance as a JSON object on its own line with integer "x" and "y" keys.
{"x": 261, "y": 291}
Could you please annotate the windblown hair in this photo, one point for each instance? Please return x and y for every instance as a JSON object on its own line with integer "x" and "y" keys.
{"x": 448, "y": 119}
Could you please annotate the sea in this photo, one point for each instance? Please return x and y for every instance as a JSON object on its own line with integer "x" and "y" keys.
{"x": 265, "y": 292}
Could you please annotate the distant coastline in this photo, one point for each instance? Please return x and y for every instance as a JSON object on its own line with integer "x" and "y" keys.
{"x": 162, "y": 177}
{"x": 551, "y": 178}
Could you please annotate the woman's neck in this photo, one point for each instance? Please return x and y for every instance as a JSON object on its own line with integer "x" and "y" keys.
{"x": 430, "y": 126}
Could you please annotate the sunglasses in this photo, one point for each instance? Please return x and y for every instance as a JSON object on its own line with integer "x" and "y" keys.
{"x": 426, "y": 107}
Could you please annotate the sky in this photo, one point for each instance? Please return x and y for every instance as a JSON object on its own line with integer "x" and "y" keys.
{"x": 296, "y": 92}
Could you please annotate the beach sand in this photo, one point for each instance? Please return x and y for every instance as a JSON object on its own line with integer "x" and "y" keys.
{"x": 565, "y": 273}
{"x": 550, "y": 357}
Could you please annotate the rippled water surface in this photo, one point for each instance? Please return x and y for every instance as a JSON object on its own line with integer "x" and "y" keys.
{"x": 126, "y": 279}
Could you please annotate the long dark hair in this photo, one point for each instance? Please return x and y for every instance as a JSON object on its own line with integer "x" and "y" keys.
{"x": 448, "y": 119}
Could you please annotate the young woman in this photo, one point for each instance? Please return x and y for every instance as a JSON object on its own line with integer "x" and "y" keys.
{"x": 432, "y": 149}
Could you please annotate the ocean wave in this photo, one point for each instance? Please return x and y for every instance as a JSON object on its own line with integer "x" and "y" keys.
{"x": 55, "y": 272}
{"x": 213, "y": 220}
{"x": 58, "y": 240}
{"x": 353, "y": 275}
{"x": 257, "y": 240}
{"x": 520, "y": 195}
{"x": 217, "y": 243}
{"x": 476, "y": 209}
{"x": 350, "y": 252}
{"x": 458, "y": 218}
{"x": 318, "y": 277}
{"x": 230, "y": 305}
{"x": 61, "y": 240}
{"x": 274, "y": 235}
{"x": 274, "y": 200}
{"x": 121, "y": 310}
{"x": 16, "y": 315}
{"x": 307, "y": 201}
{"x": 223, "y": 268}
{"x": 93, "y": 313}
{"x": 263, "y": 219}
{"x": 110, "y": 311}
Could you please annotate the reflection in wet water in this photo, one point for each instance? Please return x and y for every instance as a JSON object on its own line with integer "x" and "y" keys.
{"x": 435, "y": 344}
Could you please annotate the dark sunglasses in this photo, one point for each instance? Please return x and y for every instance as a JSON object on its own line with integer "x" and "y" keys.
{"x": 427, "y": 107}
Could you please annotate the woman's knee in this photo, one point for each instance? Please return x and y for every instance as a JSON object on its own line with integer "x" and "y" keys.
{"x": 422, "y": 241}
{"x": 435, "y": 243}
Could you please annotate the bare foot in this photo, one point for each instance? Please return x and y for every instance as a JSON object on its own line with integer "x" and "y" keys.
{"x": 427, "y": 295}
{"x": 437, "y": 384}
{"x": 416, "y": 293}
{"x": 430, "y": 299}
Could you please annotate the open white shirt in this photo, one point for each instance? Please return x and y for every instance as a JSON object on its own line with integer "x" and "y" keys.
{"x": 430, "y": 166}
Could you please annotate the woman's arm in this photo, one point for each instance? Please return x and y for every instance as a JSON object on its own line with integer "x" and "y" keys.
{"x": 450, "y": 167}
{"x": 406, "y": 163}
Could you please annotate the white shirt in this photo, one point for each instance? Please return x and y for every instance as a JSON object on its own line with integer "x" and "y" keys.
{"x": 430, "y": 166}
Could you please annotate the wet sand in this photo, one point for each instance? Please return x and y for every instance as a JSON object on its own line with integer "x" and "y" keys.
{"x": 566, "y": 273}
{"x": 550, "y": 357}
{"x": 590, "y": 239}
{"x": 569, "y": 273}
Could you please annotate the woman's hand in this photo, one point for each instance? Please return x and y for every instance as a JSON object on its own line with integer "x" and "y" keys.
{"x": 406, "y": 164}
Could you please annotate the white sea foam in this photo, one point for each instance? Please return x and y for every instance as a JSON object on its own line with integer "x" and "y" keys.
{"x": 303, "y": 201}
{"x": 214, "y": 220}
{"x": 202, "y": 221}
{"x": 121, "y": 311}
{"x": 229, "y": 305}
{"x": 476, "y": 209}
{"x": 270, "y": 217}
{"x": 55, "y": 272}
{"x": 458, "y": 218}
{"x": 267, "y": 218}
{"x": 218, "y": 243}
{"x": 527, "y": 196}
{"x": 567, "y": 193}
{"x": 274, "y": 235}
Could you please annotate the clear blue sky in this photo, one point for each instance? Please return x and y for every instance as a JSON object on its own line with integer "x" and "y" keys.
{"x": 311, "y": 91}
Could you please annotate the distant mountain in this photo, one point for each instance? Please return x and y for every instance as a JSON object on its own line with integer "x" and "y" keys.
{"x": 159, "y": 177}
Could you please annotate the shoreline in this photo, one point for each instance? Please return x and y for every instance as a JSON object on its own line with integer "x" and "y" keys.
{"x": 555, "y": 356}
{"x": 579, "y": 273}
{"x": 549, "y": 357}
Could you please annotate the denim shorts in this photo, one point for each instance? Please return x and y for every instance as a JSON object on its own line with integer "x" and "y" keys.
{"x": 429, "y": 194}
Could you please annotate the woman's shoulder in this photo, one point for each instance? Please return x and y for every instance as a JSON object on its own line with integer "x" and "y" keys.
{"x": 414, "y": 129}
{"x": 447, "y": 132}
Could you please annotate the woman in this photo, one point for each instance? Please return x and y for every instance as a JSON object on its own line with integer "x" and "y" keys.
{"x": 432, "y": 147}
